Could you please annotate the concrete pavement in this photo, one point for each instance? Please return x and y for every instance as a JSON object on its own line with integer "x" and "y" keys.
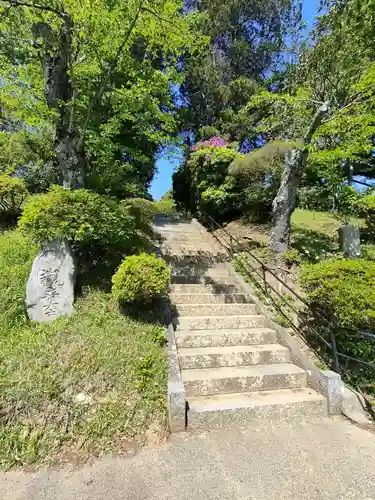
{"x": 326, "y": 460}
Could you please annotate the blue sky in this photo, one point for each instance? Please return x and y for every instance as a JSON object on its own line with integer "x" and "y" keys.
{"x": 162, "y": 181}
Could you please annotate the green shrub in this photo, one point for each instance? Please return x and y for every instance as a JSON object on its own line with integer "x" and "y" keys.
{"x": 82, "y": 217}
{"x": 344, "y": 290}
{"x": 365, "y": 207}
{"x": 291, "y": 257}
{"x": 368, "y": 252}
{"x": 219, "y": 181}
{"x": 13, "y": 193}
{"x": 140, "y": 278}
{"x": 142, "y": 211}
{"x": 16, "y": 255}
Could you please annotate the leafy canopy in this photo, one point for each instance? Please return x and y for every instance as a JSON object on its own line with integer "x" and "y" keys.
{"x": 122, "y": 61}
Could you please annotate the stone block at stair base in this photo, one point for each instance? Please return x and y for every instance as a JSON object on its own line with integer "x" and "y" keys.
{"x": 261, "y": 408}
{"x": 332, "y": 387}
{"x": 50, "y": 287}
{"x": 177, "y": 407}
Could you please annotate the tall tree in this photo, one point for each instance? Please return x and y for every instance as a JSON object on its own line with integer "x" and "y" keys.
{"x": 328, "y": 109}
{"x": 90, "y": 67}
{"x": 247, "y": 44}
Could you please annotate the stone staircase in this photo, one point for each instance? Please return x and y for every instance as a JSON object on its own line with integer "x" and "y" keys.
{"x": 232, "y": 366}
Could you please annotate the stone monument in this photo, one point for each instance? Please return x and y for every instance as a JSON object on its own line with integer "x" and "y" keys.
{"x": 50, "y": 287}
{"x": 350, "y": 241}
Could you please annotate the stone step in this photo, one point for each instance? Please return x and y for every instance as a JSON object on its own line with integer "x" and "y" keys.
{"x": 242, "y": 355}
{"x": 183, "y": 227}
{"x": 221, "y": 338}
{"x": 218, "y": 281}
{"x": 198, "y": 288}
{"x": 200, "y": 247}
{"x": 218, "y": 255}
{"x": 196, "y": 264}
{"x": 199, "y": 261}
{"x": 207, "y": 381}
{"x": 186, "y": 238}
{"x": 209, "y": 298}
{"x": 220, "y": 322}
{"x": 287, "y": 405}
{"x": 215, "y": 310}
{"x": 178, "y": 228}
{"x": 196, "y": 271}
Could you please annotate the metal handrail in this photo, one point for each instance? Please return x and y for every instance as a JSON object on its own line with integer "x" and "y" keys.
{"x": 214, "y": 225}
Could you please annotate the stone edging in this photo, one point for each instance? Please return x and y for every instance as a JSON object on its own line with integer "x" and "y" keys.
{"x": 175, "y": 387}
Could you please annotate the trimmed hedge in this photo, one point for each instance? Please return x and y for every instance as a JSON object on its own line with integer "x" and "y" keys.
{"x": 140, "y": 278}
{"x": 344, "y": 290}
{"x": 82, "y": 217}
{"x": 365, "y": 207}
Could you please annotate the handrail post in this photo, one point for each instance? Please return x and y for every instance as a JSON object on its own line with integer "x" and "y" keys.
{"x": 264, "y": 279}
{"x": 336, "y": 362}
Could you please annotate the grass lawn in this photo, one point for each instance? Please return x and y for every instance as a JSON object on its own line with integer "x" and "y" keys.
{"x": 323, "y": 222}
{"x": 314, "y": 235}
{"x": 77, "y": 387}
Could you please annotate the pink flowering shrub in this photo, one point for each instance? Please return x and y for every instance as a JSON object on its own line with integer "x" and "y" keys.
{"x": 216, "y": 142}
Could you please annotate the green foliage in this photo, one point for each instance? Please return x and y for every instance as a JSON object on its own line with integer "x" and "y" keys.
{"x": 217, "y": 86}
{"x": 344, "y": 291}
{"x": 221, "y": 182}
{"x": 27, "y": 153}
{"x": 165, "y": 207}
{"x": 158, "y": 336}
{"x": 147, "y": 376}
{"x": 117, "y": 107}
{"x": 212, "y": 190}
{"x": 261, "y": 161}
{"x": 140, "y": 278}
{"x": 291, "y": 257}
{"x": 85, "y": 219}
{"x": 368, "y": 251}
{"x": 366, "y": 207}
{"x": 16, "y": 255}
{"x": 142, "y": 211}
{"x": 13, "y": 193}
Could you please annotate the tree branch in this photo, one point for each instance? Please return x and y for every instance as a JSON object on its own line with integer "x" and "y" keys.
{"x": 356, "y": 101}
{"x": 165, "y": 20}
{"x": 317, "y": 120}
{"x": 19, "y": 3}
{"x": 99, "y": 93}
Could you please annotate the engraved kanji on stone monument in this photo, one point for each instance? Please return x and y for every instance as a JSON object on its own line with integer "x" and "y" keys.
{"x": 50, "y": 288}
{"x": 49, "y": 277}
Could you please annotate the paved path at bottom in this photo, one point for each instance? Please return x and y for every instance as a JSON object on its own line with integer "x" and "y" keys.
{"x": 326, "y": 460}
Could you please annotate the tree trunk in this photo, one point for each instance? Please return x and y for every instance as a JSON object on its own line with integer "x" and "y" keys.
{"x": 285, "y": 201}
{"x": 60, "y": 97}
{"x": 70, "y": 158}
